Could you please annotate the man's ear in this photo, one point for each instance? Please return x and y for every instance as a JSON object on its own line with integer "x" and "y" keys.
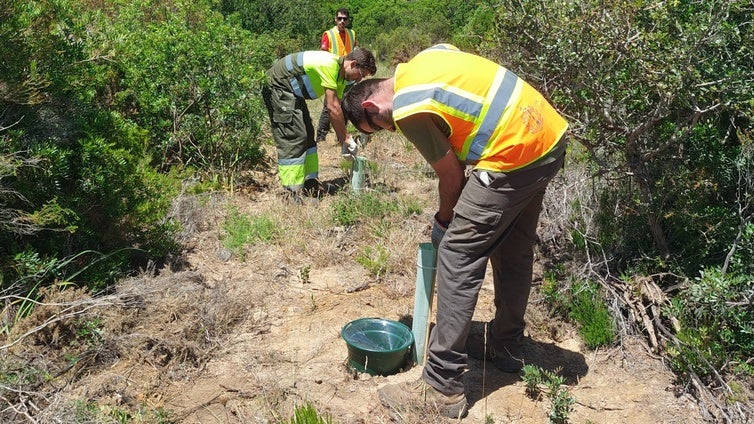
{"x": 366, "y": 104}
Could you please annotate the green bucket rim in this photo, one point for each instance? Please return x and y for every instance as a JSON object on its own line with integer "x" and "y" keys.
{"x": 409, "y": 340}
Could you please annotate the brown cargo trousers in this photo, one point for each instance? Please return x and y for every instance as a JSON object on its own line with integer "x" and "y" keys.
{"x": 495, "y": 221}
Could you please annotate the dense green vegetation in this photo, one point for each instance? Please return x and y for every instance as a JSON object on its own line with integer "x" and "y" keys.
{"x": 659, "y": 96}
{"x": 109, "y": 108}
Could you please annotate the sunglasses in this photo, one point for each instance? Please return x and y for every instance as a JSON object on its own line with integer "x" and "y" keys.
{"x": 342, "y": 18}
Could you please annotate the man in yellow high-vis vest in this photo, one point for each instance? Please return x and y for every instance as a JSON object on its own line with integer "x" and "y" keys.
{"x": 461, "y": 110}
{"x": 338, "y": 40}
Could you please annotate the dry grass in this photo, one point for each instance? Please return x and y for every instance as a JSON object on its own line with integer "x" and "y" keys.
{"x": 174, "y": 324}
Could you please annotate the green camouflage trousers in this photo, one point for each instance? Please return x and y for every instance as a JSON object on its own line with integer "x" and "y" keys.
{"x": 293, "y": 133}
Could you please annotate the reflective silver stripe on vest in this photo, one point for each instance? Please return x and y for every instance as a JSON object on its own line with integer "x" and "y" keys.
{"x": 335, "y": 36}
{"x": 334, "y": 43}
{"x": 437, "y": 94}
{"x": 300, "y": 84}
{"x": 491, "y": 119}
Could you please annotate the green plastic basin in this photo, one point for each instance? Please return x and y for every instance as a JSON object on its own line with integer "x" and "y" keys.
{"x": 377, "y": 346}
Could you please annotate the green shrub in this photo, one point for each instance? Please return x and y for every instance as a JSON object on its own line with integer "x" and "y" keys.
{"x": 717, "y": 323}
{"x": 590, "y": 312}
{"x": 284, "y": 21}
{"x": 561, "y": 405}
{"x": 539, "y": 381}
{"x": 374, "y": 259}
{"x": 189, "y": 78}
{"x": 553, "y": 291}
{"x": 740, "y": 260}
{"x": 582, "y": 303}
{"x": 241, "y": 230}
{"x": 400, "y": 44}
{"x": 533, "y": 379}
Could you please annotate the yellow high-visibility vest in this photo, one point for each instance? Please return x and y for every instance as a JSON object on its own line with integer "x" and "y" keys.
{"x": 498, "y": 122}
{"x": 337, "y": 47}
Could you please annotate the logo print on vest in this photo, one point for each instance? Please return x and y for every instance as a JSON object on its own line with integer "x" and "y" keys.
{"x": 532, "y": 119}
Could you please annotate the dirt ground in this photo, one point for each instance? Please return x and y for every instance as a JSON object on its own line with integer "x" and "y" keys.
{"x": 301, "y": 357}
{"x": 289, "y": 351}
{"x": 226, "y": 339}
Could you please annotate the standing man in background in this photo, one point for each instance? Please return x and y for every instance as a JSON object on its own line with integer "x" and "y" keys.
{"x": 338, "y": 40}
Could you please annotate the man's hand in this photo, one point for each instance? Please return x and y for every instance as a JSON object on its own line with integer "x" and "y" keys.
{"x": 438, "y": 231}
{"x": 349, "y": 148}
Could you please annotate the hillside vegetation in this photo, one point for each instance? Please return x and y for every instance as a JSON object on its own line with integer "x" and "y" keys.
{"x": 116, "y": 117}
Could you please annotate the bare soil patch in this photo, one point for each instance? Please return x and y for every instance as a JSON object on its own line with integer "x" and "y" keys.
{"x": 224, "y": 340}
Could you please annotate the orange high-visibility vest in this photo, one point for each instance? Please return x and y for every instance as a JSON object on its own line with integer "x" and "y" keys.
{"x": 498, "y": 122}
{"x": 337, "y": 47}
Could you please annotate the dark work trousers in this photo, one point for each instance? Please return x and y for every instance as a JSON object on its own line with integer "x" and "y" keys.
{"x": 496, "y": 221}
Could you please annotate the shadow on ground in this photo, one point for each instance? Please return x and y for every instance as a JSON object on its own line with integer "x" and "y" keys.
{"x": 483, "y": 377}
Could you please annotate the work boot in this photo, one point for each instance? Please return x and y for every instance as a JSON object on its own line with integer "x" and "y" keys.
{"x": 293, "y": 197}
{"x": 505, "y": 355}
{"x": 298, "y": 198}
{"x": 416, "y": 395}
{"x": 313, "y": 188}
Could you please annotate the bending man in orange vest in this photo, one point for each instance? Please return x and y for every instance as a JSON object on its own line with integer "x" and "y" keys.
{"x": 462, "y": 110}
{"x": 338, "y": 40}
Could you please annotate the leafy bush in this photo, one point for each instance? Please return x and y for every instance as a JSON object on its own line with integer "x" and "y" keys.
{"x": 742, "y": 252}
{"x": 589, "y": 310}
{"x": 717, "y": 323}
{"x": 287, "y": 27}
{"x": 561, "y": 401}
{"x": 553, "y": 292}
{"x": 438, "y": 19}
{"x": 533, "y": 379}
{"x": 400, "y": 44}
{"x": 97, "y": 101}
{"x": 374, "y": 259}
{"x": 190, "y": 79}
{"x": 90, "y": 195}
{"x": 652, "y": 110}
